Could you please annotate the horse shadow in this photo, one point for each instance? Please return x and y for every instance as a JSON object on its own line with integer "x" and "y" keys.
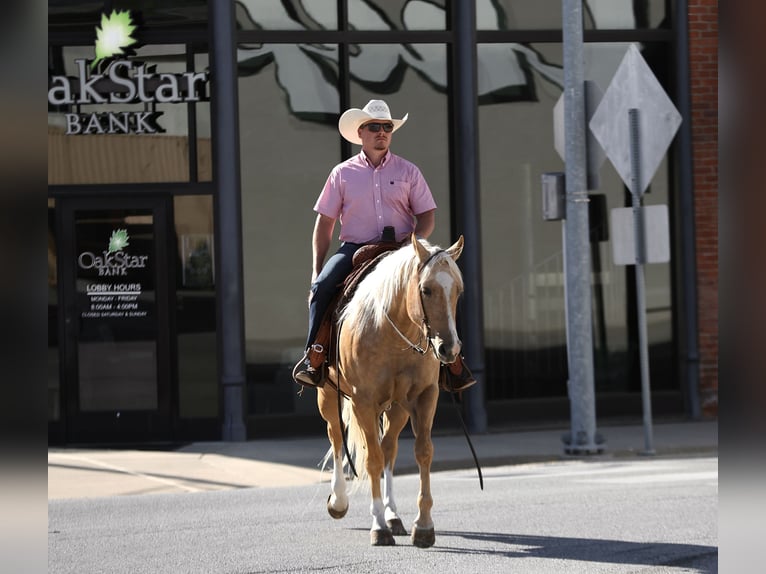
{"x": 703, "y": 558}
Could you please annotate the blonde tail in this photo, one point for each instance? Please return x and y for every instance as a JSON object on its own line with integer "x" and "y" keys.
{"x": 356, "y": 445}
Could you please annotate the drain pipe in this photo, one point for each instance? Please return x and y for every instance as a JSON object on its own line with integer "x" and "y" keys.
{"x": 687, "y": 274}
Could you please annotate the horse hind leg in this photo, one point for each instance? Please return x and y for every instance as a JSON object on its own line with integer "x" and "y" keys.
{"x": 394, "y": 421}
{"x": 337, "y": 502}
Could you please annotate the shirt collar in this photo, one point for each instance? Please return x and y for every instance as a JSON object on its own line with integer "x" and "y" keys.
{"x": 363, "y": 157}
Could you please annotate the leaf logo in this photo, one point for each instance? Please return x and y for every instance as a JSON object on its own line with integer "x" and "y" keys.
{"x": 114, "y": 35}
{"x": 118, "y": 241}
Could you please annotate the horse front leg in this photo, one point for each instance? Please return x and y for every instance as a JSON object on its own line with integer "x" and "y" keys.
{"x": 394, "y": 420}
{"x": 423, "y": 534}
{"x": 380, "y": 533}
{"x": 337, "y": 502}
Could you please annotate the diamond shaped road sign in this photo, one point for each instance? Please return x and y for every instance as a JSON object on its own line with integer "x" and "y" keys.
{"x": 635, "y": 86}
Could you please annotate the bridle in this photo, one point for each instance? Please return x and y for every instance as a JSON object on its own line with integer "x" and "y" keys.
{"x": 425, "y": 329}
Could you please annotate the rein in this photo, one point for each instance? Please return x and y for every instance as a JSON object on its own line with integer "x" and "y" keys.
{"x": 415, "y": 347}
{"x": 343, "y": 429}
{"x": 468, "y": 439}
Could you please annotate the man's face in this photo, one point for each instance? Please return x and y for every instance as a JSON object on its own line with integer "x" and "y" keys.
{"x": 374, "y": 135}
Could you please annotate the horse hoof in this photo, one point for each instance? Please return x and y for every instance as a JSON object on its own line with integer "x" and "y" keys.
{"x": 396, "y": 526}
{"x": 382, "y": 538}
{"x": 423, "y": 537}
{"x": 335, "y": 513}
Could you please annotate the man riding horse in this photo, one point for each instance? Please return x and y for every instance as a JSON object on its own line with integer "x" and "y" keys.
{"x": 377, "y": 196}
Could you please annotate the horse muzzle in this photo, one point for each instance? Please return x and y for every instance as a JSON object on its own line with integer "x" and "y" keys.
{"x": 446, "y": 350}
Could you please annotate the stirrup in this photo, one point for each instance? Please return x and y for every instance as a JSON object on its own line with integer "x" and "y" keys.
{"x": 304, "y": 374}
{"x": 455, "y": 383}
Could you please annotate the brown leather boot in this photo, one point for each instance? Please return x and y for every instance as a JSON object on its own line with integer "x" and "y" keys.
{"x": 456, "y": 376}
{"x": 309, "y": 371}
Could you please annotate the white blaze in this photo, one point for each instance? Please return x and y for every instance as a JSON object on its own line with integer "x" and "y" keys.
{"x": 447, "y": 283}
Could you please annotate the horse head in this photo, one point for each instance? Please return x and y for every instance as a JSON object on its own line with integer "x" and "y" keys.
{"x": 432, "y": 296}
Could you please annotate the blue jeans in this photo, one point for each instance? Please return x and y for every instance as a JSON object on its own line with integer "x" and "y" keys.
{"x": 327, "y": 284}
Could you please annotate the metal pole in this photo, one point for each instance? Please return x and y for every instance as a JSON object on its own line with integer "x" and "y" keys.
{"x": 685, "y": 214}
{"x": 640, "y": 247}
{"x": 467, "y": 178}
{"x": 577, "y": 265}
{"x": 228, "y": 220}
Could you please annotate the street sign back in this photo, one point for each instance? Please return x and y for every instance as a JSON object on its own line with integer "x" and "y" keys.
{"x": 635, "y": 86}
{"x": 657, "y": 237}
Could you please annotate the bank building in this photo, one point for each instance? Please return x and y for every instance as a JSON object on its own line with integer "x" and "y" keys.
{"x": 189, "y": 140}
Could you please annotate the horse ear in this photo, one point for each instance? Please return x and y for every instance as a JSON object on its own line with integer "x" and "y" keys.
{"x": 456, "y": 249}
{"x": 421, "y": 251}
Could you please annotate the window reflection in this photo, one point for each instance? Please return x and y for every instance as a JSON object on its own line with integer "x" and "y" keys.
{"x": 524, "y": 299}
{"x": 276, "y": 194}
{"x": 396, "y": 15}
{"x": 287, "y": 14}
{"x": 547, "y": 15}
{"x": 286, "y": 158}
{"x": 195, "y": 306}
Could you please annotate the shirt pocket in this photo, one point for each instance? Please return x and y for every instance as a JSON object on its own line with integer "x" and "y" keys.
{"x": 398, "y": 189}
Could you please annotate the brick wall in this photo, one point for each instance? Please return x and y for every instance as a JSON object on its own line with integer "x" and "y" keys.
{"x": 703, "y": 54}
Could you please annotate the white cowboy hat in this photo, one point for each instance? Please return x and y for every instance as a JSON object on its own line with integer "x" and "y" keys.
{"x": 349, "y": 122}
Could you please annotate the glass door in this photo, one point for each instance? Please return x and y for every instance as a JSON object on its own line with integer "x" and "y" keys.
{"x": 116, "y": 314}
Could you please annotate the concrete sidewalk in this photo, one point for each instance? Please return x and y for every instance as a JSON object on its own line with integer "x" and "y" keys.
{"x": 79, "y": 473}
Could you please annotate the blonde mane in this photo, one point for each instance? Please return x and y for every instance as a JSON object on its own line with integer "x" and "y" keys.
{"x": 378, "y": 292}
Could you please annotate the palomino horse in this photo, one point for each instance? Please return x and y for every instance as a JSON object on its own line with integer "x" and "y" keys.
{"x": 405, "y": 306}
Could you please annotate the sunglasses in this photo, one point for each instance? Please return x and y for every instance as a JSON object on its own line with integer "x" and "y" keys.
{"x": 375, "y": 127}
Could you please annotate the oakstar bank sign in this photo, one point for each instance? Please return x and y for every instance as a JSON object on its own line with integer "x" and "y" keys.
{"x": 124, "y": 81}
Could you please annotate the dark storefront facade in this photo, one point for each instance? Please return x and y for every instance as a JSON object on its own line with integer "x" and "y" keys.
{"x": 140, "y": 270}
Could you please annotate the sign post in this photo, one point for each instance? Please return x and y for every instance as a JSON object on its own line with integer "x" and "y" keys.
{"x": 635, "y": 123}
{"x": 640, "y": 248}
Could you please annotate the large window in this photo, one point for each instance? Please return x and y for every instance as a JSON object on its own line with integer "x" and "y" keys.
{"x": 289, "y": 142}
{"x": 289, "y": 108}
{"x": 293, "y": 93}
{"x": 195, "y": 306}
{"x": 524, "y": 297}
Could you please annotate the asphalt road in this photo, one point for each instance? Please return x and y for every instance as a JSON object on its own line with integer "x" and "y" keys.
{"x": 650, "y": 515}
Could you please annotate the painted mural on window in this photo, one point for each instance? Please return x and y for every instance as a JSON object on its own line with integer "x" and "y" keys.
{"x": 504, "y": 73}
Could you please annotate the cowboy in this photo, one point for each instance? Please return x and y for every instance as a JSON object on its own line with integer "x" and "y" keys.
{"x": 376, "y": 196}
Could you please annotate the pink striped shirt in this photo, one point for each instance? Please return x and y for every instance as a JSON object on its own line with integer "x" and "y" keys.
{"x": 366, "y": 198}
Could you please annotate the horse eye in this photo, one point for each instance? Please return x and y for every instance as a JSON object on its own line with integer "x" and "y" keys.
{"x": 426, "y": 291}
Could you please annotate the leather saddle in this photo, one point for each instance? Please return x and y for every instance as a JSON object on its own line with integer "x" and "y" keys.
{"x": 365, "y": 259}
